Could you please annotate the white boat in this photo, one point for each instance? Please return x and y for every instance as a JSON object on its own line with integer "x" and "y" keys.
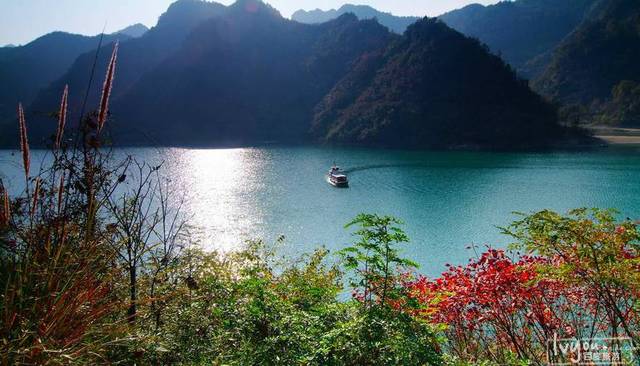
{"x": 337, "y": 178}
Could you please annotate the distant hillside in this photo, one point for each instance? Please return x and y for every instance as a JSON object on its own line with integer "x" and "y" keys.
{"x": 136, "y": 57}
{"x": 521, "y": 30}
{"x": 134, "y": 31}
{"x": 397, "y": 24}
{"x": 434, "y": 87}
{"x": 208, "y": 75}
{"x": 250, "y": 76}
{"x": 598, "y": 67}
{"x": 24, "y": 70}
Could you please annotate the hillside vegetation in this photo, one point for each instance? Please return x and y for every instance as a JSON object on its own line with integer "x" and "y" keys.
{"x": 408, "y": 93}
{"x": 520, "y": 31}
{"x": 596, "y": 70}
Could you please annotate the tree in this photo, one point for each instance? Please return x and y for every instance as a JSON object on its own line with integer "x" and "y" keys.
{"x": 375, "y": 259}
{"x": 590, "y": 249}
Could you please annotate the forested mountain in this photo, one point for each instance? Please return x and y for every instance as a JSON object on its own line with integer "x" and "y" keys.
{"x": 134, "y": 31}
{"x": 522, "y": 30}
{"x": 250, "y": 76}
{"x": 397, "y": 24}
{"x": 24, "y": 70}
{"x": 434, "y": 87}
{"x": 597, "y": 69}
{"x": 209, "y": 75}
{"x": 135, "y": 57}
{"x": 254, "y": 76}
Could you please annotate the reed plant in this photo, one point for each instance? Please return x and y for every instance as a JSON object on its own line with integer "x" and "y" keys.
{"x": 56, "y": 264}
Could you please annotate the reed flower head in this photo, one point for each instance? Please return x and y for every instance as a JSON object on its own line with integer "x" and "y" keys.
{"x": 62, "y": 117}
{"x": 36, "y": 195}
{"x": 60, "y": 193}
{"x": 24, "y": 141}
{"x": 106, "y": 88}
{"x": 6, "y": 207}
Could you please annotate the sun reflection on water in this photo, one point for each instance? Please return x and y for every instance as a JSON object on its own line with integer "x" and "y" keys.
{"x": 220, "y": 187}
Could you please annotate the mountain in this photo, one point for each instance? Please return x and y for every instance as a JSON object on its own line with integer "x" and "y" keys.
{"x": 208, "y": 75}
{"x": 24, "y": 70}
{"x": 434, "y": 87}
{"x": 315, "y": 16}
{"x": 134, "y": 31}
{"x": 395, "y": 23}
{"x": 522, "y": 30}
{"x": 250, "y": 76}
{"x": 597, "y": 66}
{"x": 254, "y": 77}
{"x": 135, "y": 57}
{"x": 10, "y": 45}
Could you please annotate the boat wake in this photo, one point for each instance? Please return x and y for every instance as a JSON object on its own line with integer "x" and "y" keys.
{"x": 384, "y": 166}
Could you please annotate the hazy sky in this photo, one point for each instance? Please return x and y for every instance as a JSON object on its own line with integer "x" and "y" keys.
{"x": 22, "y": 21}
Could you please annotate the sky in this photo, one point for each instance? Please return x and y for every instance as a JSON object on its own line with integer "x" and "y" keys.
{"x": 21, "y": 21}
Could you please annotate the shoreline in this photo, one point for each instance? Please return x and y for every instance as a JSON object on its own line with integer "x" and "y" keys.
{"x": 619, "y": 140}
{"x": 617, "y": 135}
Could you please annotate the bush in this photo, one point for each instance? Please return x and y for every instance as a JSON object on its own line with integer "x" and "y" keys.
{"x": 578, "y": 278}
{"x": 247, "y": 309}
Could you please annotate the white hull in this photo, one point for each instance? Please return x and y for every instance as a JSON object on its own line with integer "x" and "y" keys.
{"x": 334, "y": 183}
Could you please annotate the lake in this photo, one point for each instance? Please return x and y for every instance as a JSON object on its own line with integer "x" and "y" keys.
{"x": 448, "y": 200}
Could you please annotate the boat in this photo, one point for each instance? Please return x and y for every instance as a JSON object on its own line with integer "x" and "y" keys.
{"x": 337, "y": 178}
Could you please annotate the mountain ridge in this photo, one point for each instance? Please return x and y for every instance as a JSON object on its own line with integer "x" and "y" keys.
{"x": 134, "y": 30}
{"x": 136, "y": 55}
{"x": 23, "y": 73}
{"x": 397, "y": 24}
{"x": 282, "y": 85}
{"x": 520, "y": 31}
{"x": 253, "y": 76}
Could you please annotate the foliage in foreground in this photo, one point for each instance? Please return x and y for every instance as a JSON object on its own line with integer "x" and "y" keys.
{"x": 248, "y": 308}
{"x": 578, "y": 278}
{"x": 242, "y": 308}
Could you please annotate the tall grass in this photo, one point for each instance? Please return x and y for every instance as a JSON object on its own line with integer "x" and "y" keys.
{"x": 106, "y": 88}
{"x": 5, "y": 215}
{"x": 57, "y": 273}
{"x": 62, "y": 118}
{"x": 24, "y": 141}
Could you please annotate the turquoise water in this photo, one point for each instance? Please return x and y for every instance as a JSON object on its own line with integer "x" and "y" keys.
{"x": 448, "y": 200}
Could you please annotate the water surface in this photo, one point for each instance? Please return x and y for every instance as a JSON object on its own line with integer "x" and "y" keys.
{"x": 448, "y": 200}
